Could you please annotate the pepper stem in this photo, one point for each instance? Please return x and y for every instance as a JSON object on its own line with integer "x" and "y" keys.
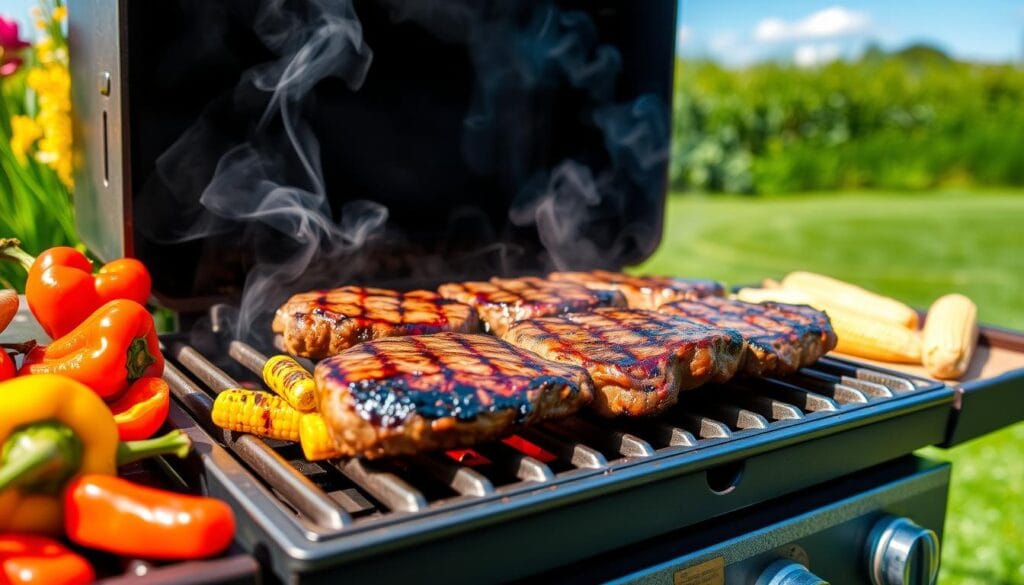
{"x": 175, "y": 442}
{"x": 10, "y": 250}
{"x": 40, "y": 457}
{"x": 139, "y": 358}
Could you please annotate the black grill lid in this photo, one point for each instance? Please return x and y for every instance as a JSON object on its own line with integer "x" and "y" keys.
{"x": 390, "y": 139}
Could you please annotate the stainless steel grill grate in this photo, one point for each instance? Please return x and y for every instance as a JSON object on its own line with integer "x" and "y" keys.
{"x": 331, "y": 498}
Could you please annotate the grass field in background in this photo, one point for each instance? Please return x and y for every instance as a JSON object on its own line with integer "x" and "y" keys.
{"x": 914, "y": 247}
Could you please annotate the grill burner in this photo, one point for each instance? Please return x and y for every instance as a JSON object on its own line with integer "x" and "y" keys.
{"x": 712, "y": 430}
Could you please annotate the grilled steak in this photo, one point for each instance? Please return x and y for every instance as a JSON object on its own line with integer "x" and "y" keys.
{"x": 643, "y": 292}
{"x": 779, "y": 338}
{"x": 503, "y": 301}
{"x": 404, "y": 395}
{"x": 639, "y": 360}
{"x": 320, "y": 323}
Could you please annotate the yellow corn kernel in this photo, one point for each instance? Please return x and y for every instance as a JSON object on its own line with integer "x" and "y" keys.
{"x": 291, "y": 381}
{"x": 843, "y": 295}
{"x": 259, "y": 413}
{"x": 950, "y": 336}
{"x": 316, "y": 441}
{"x": 873, "y": 339}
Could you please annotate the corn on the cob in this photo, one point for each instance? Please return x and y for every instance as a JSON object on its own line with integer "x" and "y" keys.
{"x": 259, "y": 413}
{"x": 777, "y": 295}
{"x": 317, "y": 443}
{"x": 843, "y": 295}
{"x": 8, "y": 307}
{"x": 291, "y": 381}
{"x": 870, "y": 338}
{"x": 950, "y": 336}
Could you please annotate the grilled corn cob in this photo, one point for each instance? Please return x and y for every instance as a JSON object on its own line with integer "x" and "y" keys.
{"x": 316, "y": 442}
{"x": 950, "y": 336}
{"x": 259, "y": 413}
{"x": 870, "y": 338}
{"x": 843, "y": 295}
{"x": 289, "y": 380}
{"x": 776, "y": 295}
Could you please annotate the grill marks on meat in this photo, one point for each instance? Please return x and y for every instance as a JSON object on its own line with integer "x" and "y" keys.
{"x": 404, "y": 395}
{"x": 780, "y": 339}
{"x": 320, "y": 323}
{"x": 639, "y": 360}
{"x": 503, "y": 301}
{"x": 643, "y": 292}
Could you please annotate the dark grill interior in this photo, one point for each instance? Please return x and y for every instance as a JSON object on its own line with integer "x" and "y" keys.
{"x": 344, "y": 496}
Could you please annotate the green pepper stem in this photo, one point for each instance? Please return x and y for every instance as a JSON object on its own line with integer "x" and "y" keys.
{"x": 10, "y": 250}
{"x": 175, "y": 442}
{"x": 40, "y": 457}
{"x": 139, "y": 358}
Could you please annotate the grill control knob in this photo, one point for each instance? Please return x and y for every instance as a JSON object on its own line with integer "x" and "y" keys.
{"x": 785, "y": 572}
{"x": 902, "y": 553}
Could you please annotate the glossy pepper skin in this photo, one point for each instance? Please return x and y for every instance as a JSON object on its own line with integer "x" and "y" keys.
{"x": 62, "y": 291}
{"x": 107, "y": 352}
{"x": 142, "y": 410}
{"x": 27, "y": 559}
{"x": 7, "y": 369}
{"x": 114, "y": 515}
{"x": 51, "y": 429}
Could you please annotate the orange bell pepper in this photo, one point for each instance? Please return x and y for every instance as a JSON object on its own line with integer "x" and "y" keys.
{"x": 109, "y": 351}
{"x": 114, "y": 515}
{"x": 62, "y": 291}
{"x": 142, "y": 410}
{"x": 27, "y": 559}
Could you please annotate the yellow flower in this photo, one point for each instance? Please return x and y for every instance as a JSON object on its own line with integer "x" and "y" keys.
{"x": 24, "y": 133}
{"x": 60, "y": 13}
{"x": 52, "y": 85}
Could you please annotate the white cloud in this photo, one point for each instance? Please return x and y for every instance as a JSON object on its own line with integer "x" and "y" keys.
{"x": 684, "y": 35}
{"x": 723, "y": 41}
{"x": 811, "y": 55}
{"x": 834, "y": 21}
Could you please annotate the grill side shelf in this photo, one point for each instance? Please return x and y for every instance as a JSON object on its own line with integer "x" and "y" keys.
{"x": 990, "y": 402}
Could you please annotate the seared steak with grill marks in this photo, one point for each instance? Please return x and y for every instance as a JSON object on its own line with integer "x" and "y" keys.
{"x": 320, "y": 323}
{"x": 503, "y": 301}
{"x": 780, "y": 339}
{"x": 404, "y": 395}
{"x": 643, "y": 292}
{"x": 639, "y": 360}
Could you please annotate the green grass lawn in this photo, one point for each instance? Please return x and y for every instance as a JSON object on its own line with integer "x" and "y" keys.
{"x": 914, "y": 247}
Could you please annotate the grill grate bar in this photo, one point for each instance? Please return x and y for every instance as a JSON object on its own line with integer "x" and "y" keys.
{"x": 704, "y": 427}
{"x": 294, "y": 487}
{"x": 801, "y": 397}
{"x": 871, "y": 389}
{"x": 841, "y": 393}
{"x": 520, "y": 465}
{"x": 578, "y": 454}
{"x": 767, "y": 407}
{"x": 213, "y": 377}
{"x": 246, "y": 355}
{"x": 738, "y": 417}
{"x": 611, "y": 440}
{"x": 894, "y": 383}
{"x": 464, "y": 480}
{"x": 386, "y": 487}
{"x": 673, "y": 436}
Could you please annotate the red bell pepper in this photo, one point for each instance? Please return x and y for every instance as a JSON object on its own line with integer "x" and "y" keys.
{"x": 7, "y": 370}
{"x": 142, "y": 410}
{"x": 26, "y": 558}
{"x": 114, "y": 515}
{"x": 62, "y": 291}
{"x": 109, "y": 351}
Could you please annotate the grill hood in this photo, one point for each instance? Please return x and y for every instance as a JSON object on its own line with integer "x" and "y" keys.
{"x": 377, "y": 140}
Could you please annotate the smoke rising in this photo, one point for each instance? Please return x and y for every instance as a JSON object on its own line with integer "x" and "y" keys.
{"x": 251, "y": 170}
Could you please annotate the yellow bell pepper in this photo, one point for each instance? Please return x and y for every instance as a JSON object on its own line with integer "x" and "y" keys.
{"x": 52, "y": 429}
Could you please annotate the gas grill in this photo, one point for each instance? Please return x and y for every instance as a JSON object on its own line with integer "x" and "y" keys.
{"x": 558, "y": 113}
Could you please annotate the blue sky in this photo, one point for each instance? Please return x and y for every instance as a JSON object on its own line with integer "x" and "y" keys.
{"x": 811, "y": 31}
